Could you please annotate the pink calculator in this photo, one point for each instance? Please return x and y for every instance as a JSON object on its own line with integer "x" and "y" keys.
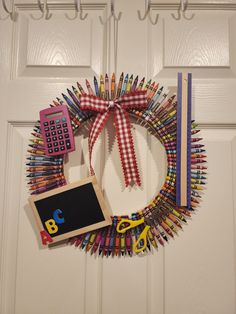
{"x": 57, "y": 131}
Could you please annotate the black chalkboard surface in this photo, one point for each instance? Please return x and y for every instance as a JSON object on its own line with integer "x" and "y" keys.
{"x": 70, "y": 210}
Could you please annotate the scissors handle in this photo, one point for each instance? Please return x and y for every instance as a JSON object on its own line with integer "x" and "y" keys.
{"x": 142, "y": 238}
{"x": 131, "y": 224}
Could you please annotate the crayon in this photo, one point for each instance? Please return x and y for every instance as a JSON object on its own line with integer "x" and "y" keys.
{"x": 134, "y": 86}
{"x": 35, "y": 151}
{"x": 43, "y": 173}
{"x": 44, "y": 163}
{"x": 140, "y": 86}
{"x": 37, "y": 141}
{"x": 85, "y": 240}
{"x": 95, "y": 82}
{"x": 106, "y": 87}
{"x": 97, "y": 241}
{"x": 89, "y": 88}
{"x": 43, "y": 168}
{"x": 111, "y": 247}
{"x": 41, "y": 184}
{"x": 37, "y": 134}
{"x": 45, "y": 158}
{"x": 48, "y": 187}
{"x": 124, "y": 86}
{"x": 119, "y": 88}
{"x": 113, "y": 86}
{"x": 102, "y": 87}
{"x": 91, "y": 240}
{"x": 102, "y": 242}
{"x": 45, "y": 178}
{"x": 129, "y": 84}
{"x": 147, "y": 85}
{"x": 76, "y": 92}
{"x": 81, "y": 89}
{"x": 37, "y": 146}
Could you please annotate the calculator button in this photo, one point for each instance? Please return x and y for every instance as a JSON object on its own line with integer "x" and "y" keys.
{"x": 50, "y": 150}
{"x": 49, "y": 145}
{"x": 60, "y": 137}
{"x": 67, "y": 135}
{"x": 65, "y": 130}
{"x": 52, "y": 122}
{"x": 68, "y": 145}
{"x": 63, "y": 119}
{"x": 64, "y": 125}
{"x": 46, "y": 129}
{"x": 61, "y": 142}
{"x": 54, "y": 133}
{"x": 56, "y": 149}
{"x": 55, "y": 144}
{"x": 54, "y": 138}
{"x": 48, "y": 140}
{"x": 58, "y": 126}
{"x": 57, "y": 121}
{"x": 62, "y": 147}
{"x": 47, "y": 134}
{"x": 52, "y": 128}
{"x": 59, "y": 131}
{"x": 45, "y": 123}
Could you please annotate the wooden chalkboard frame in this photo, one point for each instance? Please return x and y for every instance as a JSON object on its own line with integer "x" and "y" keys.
{"x": 106, "y": 212}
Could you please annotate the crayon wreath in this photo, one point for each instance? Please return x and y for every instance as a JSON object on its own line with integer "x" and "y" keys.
{"x": 161, "y": 218}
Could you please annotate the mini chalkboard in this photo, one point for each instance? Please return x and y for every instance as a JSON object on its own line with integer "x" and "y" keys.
{"x": 70, "y": 210}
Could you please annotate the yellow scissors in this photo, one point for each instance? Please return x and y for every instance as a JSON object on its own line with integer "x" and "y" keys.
{"x": 126, "y": 224}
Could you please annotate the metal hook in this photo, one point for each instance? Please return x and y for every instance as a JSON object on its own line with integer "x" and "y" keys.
{"x": 44, "y": 11}
{"x": 78, "y": 9}
{"x": 182, "y": 9}
{"x": 147, "y": 13}
{"x": 116, "y": 18}
{"x": 11, "y": 14}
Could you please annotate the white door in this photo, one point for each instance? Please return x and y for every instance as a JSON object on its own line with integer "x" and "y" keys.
{"x": 40, "y": 59}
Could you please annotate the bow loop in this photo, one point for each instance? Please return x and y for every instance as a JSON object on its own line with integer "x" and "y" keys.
{"x": 119, "y": 106}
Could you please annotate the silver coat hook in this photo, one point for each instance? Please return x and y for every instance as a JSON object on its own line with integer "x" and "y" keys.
{"x": 11, "y": 14}
{"x": 78, "y": 10}
{"x": 148, "y": 14}
{"x": 182, "y": 9}
{"x": 116, "y": 18}
{"x": 43, "y": 8}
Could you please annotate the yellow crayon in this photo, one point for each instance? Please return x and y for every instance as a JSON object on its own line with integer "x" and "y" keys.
{"x": 129, "y": 85}
{"x": 102, "y": 87}
{"x": 170, "y": 224}
{"x": 140, "y": 86}
{"x": 37, "y": 141}
{"x": 197, "y": 187}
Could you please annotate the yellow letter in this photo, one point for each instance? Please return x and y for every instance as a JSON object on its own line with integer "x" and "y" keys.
{"x": 51, "y": 226}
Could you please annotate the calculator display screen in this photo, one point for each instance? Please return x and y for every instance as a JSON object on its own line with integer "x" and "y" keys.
{"x": 55, "y": 114}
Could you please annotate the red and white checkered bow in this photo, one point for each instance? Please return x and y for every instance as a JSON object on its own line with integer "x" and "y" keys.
{"x": 118, "y": 106}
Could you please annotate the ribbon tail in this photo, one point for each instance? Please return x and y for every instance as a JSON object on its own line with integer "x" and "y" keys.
{"x": 126, "y": 147}
{"x": 97, "y": 126}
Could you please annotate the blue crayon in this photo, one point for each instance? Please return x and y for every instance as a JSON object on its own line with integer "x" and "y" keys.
{"x": 46, "y": 163}
{"x": 96, "y": 86}
{"x": 123, "y": 90}
{"x": 44, "y": 158}
{"x": 43, "y": 173}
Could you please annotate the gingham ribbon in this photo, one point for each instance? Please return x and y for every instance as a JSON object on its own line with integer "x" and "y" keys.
{"x": 119, "y": 107}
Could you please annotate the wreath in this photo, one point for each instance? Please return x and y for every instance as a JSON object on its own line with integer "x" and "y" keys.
{"x": 151, "y": 106}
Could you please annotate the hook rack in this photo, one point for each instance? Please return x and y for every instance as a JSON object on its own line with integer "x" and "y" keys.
{"x": 44, "y": 11}
{"x": 11, "y": 14}
{"x": 116, "y": 18}
{"x": 78, "y": 11}
{"x": 148, "y": 14}
{"x": 182, "y": 9}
